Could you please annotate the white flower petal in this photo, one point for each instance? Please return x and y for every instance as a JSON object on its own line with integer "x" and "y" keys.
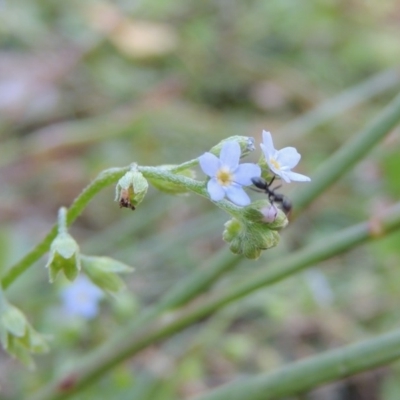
{"x": 230, "y": 154}
{"x": 237, "y": 195}
{"x": 209, "y": 163}
{"x": 285, "y": 175}
{"x": 288, "y": 158}
{"x": 268, "y": 145}
{"x": 215, "y": 191}
{"x": 293, "y": 176}
{"x": 244, "y": 173}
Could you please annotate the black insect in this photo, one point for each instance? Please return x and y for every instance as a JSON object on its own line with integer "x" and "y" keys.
{"x": 273, "y": 197}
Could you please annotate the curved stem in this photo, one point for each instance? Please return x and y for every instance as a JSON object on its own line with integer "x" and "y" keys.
{"x": 194, "y": 186}
{"x": 184, "y": 166}
{"x": 130, "y": 341}
{"x": 104, "y": 179}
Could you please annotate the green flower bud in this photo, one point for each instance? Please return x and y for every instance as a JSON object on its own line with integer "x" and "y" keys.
{"x": 168, "y": 187}
{"x": 17, "y": 336}
{"x": 262, "y": 211}
{"x": 102, "y": 271}
{"x": 246, "y": 145}
{"x": 64, "y": 256}
{"x": 249, "y": 238}
{"x": 131, "y": 189}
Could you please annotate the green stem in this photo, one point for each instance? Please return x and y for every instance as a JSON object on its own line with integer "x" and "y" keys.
{"x": 194, "y": 186}
{"x": 348, "y": 155}
{"x": 104, "y": 179}
{"x": 129, "y": 342}
{"x": 306, "y": 374}
{"x": 186, "y": 165}
{"x": 62, "y": 220}
{"x": 188, "y": 288}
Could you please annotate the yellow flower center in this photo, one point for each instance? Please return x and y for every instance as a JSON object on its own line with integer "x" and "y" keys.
{"x": 275, "y": 163}
{"x": 224, "y": 177}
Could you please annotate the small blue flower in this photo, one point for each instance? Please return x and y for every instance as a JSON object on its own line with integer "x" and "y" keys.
{"x": 81, "y": 298}
{"x": 280, "y": 162}
{"x": 227, "y": 176}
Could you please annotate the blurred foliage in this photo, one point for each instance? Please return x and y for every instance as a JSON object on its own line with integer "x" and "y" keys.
{"x": 89, "y": 85}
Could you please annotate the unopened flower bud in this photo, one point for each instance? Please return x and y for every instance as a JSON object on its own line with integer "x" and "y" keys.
{"x": 262, "y": 211}
{"x": 270, "y": 213}
{"x": 246, "y": 145}
{"x": 17, "y": 336}
{"x": 64, "y": 256}
{"x": 250, "y": 238}
{"x": 131, "y": 189}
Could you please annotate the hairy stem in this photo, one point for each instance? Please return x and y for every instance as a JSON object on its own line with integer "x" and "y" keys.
{"x": 104, "y": 179}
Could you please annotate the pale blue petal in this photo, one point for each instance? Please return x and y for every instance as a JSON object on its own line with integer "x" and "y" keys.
{"x": 237, "y": 195}
{"x": 81, "y": 298}
{"x": 244, "y": 173}
{"x": 230, "y": 155}
{"x": 293, "y": 176}
{"x": 285, "y": 175}
{"x": 268, "y": 145}
{"x": 288, "y": 158}
{"x": 215, "y": 190}
{"x": 209, "y": 163}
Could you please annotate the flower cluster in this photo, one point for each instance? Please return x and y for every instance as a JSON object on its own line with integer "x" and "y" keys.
{"x": 227, "y": 176}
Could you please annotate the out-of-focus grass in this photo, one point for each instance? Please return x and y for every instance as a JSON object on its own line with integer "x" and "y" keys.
{"x": 87, "y": 85}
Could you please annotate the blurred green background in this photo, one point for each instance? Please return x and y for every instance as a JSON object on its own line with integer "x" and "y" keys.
{"x": 88, "y": 85}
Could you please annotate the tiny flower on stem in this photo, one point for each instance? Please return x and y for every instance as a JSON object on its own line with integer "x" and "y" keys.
{"x": 227, "y": 175}
{"x": 81, "y": 298}
{"x": 281, "y": 161}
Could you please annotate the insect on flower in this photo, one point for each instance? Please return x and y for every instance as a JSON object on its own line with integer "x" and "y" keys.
{"x": 273, "y": 197}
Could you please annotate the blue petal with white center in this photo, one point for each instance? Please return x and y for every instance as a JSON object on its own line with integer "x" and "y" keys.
{"x": 227, "y": 176}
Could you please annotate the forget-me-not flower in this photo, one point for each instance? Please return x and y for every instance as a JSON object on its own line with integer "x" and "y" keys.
{"x": 227, "y": 176}
{"x": 281, "y": 161}
{"x": 81, "y": 298}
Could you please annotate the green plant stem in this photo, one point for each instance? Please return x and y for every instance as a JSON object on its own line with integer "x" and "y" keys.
{"x": 307, "y": 374}
{"x": 194, "y": 186}
{"x": 62, "y": 220}
{"x": 348, "y": 155}
{"x": 184, "y": 166}
{"x": 104, "y": 179}
{"x": 129, "y": 342}
{"x": 189, "y": 287}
